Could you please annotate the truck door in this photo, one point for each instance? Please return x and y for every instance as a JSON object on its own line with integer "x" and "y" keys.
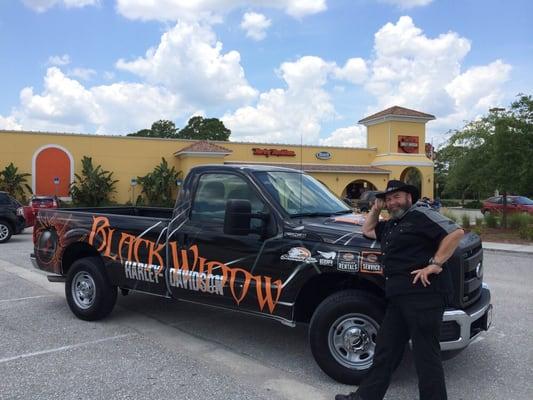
{"x": 212, "y": 267}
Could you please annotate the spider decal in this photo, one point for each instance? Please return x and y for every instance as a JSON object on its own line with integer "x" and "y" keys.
{"x": 50, "y": 240}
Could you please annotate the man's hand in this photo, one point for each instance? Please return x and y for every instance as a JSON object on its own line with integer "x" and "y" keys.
{"x": 379, "y": 204}
{"x": 424, "y": 273}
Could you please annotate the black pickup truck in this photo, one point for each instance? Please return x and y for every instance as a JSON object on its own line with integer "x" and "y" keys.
{"x": 264, "y": 240}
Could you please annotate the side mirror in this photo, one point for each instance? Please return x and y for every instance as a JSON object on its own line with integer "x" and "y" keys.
{"x": 238, "y": 217}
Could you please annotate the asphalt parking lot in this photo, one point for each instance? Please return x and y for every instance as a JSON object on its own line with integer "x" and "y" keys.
{"x": 154, "y": 348}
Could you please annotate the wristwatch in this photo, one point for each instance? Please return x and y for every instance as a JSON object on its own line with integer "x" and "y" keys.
{"x": 432, "y": 261}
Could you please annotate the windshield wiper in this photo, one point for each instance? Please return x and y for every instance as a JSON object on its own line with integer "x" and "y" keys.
{"x": 320, "y": 214}
{"x": 341, "y": 212}
{"x": 311, "y": 214}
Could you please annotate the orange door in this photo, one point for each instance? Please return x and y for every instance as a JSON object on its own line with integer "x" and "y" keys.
{"x": 52, "y": 173}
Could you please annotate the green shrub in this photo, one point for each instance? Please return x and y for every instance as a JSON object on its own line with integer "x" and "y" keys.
{"x": 477, "y": 229}
{"x": 449, "y": 215}
{"x": 450, "y": 203}
{"x": 474, "y": 204}
{"x": 465, "y": 221}
{"x": 479, "y": 221}
{"x": 491, "y": 220}
{"x": 526, "y": 232}
{"x": 519, "y": 220}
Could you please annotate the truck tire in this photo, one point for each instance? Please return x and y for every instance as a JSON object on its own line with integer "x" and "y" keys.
{"x": 89, "y": 293}
{"x": 6, "y": 231}
{"x": 342, "y": 334}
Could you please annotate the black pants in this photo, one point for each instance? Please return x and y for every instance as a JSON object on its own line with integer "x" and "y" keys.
{"x": 418, "y": 317}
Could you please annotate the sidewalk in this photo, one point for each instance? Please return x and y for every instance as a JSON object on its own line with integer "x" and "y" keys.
{"x": 509, "y": 248}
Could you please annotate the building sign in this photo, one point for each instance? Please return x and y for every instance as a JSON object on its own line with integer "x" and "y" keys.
{"x": 407, "y": 144}
{"x": 273, "y": 152}
{"x": 323, "y": 155}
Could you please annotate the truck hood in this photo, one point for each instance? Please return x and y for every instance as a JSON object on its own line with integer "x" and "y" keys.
{"x": 345, "y": 230}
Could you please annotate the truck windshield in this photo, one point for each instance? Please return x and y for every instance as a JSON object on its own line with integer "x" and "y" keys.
{"x": 301, "y": 195}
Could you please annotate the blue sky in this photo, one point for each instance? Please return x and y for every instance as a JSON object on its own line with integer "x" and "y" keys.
{"x": 273, "y": 71}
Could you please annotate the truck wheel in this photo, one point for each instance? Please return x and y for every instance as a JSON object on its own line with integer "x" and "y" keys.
{"x": 89, "y": 293}
{"x": 5, "y": 231}
{"x": 343, "y": 334}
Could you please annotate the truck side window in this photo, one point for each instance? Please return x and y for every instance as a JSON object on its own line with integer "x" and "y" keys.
{"x": 212, "y": 193}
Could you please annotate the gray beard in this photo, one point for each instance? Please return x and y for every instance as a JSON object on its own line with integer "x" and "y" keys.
{"x": 398, "y": 213}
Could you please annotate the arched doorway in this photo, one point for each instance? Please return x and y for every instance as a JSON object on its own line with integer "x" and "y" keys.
{"x": 412, "y": 176}
{"x": 52, "y": 171}
{"x": 354, "y": 189}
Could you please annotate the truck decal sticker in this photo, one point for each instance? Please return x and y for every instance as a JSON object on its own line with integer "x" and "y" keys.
{"x": 300, "y": 254}
{"x": 348, "y": 261}
{"x": 370, "y": 263}
{"x": 143, "y": 272}
{"x": 327, "y": 258}
{"x": 189, "y": 270}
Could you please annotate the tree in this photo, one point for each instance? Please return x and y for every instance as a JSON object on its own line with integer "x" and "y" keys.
{"x": 14, "y": 182}
{"x": 494, "y": 152}
{"x": 93, "y": 187}
{"x": 160, "y": 129}
{"x": 200, "y": 128}
{"x": 159, "y": 184}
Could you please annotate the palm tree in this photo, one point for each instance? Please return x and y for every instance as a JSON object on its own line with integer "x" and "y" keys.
{"x": 14, "y": 182}
{"x": 94, "y": 186}
{"x": 159, "y": 184}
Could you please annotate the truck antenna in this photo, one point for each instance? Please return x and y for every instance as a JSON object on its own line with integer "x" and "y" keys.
{"x": 301, "y": 172}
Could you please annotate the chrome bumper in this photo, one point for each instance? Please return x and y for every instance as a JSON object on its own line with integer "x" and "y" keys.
{"x": 466, "y": 318}
{"x": 34, "y": 261}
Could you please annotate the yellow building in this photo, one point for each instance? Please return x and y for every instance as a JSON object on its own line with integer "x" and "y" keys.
{"x": 395, "y": 150}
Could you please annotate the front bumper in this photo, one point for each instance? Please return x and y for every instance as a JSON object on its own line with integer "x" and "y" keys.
{"x": 463, "y": 326}
{"x": 34, "y": 261}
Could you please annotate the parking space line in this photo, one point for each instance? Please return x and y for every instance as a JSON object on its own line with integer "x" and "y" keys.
{"x": 26, "y": 298}
{"x": 62, "y": 348}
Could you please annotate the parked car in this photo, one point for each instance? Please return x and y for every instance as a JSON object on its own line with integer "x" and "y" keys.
{"x": 39, "y": 202}
{"x": 514, "y": 204}
{"x": 366, "y": 201}
{"x": 12, "y": 219}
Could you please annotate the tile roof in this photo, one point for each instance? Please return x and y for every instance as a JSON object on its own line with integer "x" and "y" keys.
{"x": 399, "y": 112}
{"x": 358, "y": 169}
{"x": 203, "y": 146}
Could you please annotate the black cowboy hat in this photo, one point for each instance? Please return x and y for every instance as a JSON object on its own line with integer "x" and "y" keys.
{"x": 399, "y": 186}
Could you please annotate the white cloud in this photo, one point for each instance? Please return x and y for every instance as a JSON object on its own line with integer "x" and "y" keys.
{"x": 43, "y": 5}
{"x": 354, "y": 71}
{"x": 171, "y": 10}
{"x": 352, "y": 136}
{"x": 255, "y": 25}
{"x": 288, "y": 115}
{"x": 189, "y": 60}
{"x": 66, "y": 105}
{"x": 479, "y": 87}
{"x": 59, "y": 60}
{"x": 85, "y": 74}
{"x": 412, "y": 70}
{"x": 405, "y": 4}
{"x": 9, "y": 123}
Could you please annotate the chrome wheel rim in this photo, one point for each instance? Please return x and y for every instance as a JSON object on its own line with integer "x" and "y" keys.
{"x": 4, "y": 231}
{"x": 352, "y": 340}
{"x": 83, "y": 290}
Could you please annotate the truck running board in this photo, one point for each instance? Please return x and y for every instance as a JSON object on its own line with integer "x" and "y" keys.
{"x": 56, "y": 278}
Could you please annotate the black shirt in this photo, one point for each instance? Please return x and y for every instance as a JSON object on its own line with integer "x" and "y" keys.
{"x": 407, "y": 244}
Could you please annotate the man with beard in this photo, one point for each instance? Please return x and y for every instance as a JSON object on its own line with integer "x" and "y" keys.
{"x": 415, "y": 244}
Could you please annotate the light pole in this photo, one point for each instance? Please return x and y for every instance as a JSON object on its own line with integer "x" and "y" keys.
{"x": 56, "y": 184}
{"x": 133, "y": 183}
